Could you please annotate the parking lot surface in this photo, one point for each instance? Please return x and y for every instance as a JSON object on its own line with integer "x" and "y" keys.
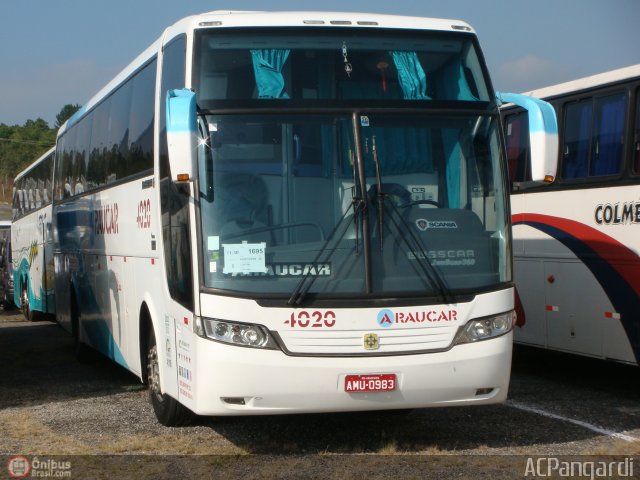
{"x": 558, "y": 406}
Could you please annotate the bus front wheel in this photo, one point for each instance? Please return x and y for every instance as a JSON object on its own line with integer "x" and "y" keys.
{"x": 168, "y": 410}
{"x": 24, "y": 303}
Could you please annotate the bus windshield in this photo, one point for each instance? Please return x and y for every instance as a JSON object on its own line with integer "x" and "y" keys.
{"x": 288, "y": 202}
{"x": 336, "y": 64}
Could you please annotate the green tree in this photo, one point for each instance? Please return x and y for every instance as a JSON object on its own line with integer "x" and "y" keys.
{"x": 20, "y": 145}
{"x": 65, "y": 114}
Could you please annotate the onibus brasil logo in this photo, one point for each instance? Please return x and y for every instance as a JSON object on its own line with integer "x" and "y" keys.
{"x": 22, "y": 467}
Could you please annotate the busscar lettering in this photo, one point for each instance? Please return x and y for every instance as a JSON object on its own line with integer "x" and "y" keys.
{"x": 617, "y": 213}
{"x": 446, "y": 258}
{"x": 105, "y": 219}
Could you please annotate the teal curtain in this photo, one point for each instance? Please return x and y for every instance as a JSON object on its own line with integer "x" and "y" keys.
{"x": 455, "y": 85}
{"x": 411, "y": 76}
{"x": 267, "y": 68}
{"x": 453, "y": 155}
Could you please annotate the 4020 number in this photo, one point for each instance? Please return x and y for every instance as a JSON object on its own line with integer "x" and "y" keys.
{"x": 315, "y": 319}
{"x": 144, "y": 214}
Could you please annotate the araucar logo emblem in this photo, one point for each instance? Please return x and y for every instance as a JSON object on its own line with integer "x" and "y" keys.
{"x": 385, "y": 318}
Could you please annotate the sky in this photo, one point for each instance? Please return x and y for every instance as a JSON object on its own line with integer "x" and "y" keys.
{"x": 56, "y": 52}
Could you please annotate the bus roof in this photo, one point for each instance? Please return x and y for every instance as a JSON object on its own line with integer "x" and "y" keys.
{"x": 610, "y": 77}
{"x": 226, "y": 18}
{"x": 231, "y": 18}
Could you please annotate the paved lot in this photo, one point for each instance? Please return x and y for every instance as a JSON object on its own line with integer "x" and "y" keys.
{"x": 558, "y": 405}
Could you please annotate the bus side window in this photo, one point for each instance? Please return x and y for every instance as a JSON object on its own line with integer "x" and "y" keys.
{"x": 607, "y": 150}
{"x": 594, "y": 137}
{"x": 577, "y": 135}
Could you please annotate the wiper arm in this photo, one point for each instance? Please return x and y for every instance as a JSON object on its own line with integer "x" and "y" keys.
{"x": 421, "y": 256}
{"x": 298, "y": 294}
{"x": 380, "y": 195}
{"x": 407, "y": 234}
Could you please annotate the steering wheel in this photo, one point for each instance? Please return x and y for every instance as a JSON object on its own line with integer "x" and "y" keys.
{"x": 422, "y": 202}
{"x": 390, "y": 189}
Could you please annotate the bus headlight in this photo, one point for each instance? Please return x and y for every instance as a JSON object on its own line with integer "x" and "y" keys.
{"x": 485, "y": 328}
{"x": 234, "y": 333}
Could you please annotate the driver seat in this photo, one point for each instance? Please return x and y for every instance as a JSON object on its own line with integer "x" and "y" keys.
{"x": 242, "y": 200}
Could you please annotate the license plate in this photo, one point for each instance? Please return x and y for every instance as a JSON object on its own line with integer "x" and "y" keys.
{"x": 384, "y": 382}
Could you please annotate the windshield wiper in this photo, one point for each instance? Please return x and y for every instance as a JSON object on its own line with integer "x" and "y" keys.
{"x": 420, "y": 253}
{"x": 380, "y": 195}
{"x": 303, "y": 286}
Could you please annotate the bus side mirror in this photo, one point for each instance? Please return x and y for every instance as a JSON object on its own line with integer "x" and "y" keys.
{"x": 182, "y": 134}
{"x": 543, "y": 135}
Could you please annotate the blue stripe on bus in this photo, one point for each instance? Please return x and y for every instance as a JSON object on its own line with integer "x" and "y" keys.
{"x": 76, "y": 116}
{"x": 101, "y": 338}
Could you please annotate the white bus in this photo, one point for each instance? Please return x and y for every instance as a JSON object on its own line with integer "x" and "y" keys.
{"x": 272, "y": 213}
{"x": 6, "y": 267}
{"x": 576, "y": 243}
{"x": 31, "y": 241}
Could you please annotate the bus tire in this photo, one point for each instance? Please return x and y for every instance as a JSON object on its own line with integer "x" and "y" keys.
{"x": 168, "y": 410}
{"x": 24, "y": 303}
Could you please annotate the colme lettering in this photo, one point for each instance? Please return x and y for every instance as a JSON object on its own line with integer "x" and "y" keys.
{"x": 618, "y": 213}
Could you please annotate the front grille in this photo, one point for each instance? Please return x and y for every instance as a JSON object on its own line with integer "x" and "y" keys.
{"x": 352, "y": 342}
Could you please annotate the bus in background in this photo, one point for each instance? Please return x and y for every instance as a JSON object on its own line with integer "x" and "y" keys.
{"x": 5, "y": 229}
{"x": 31, "y": 241}
{"x": 6, "y": 269}
{"x": 577, "y": 242}
{"x": 271, "y": 213}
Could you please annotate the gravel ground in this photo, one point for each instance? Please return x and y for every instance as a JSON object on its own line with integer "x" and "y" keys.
{"x": 52, "y": 405}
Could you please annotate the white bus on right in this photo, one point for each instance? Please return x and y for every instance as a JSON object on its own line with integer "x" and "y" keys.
{"x": 577, "y": 242}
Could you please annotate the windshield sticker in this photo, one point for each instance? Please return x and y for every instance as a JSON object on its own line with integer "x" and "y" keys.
{"x": 213, "y": 267}
{"x": 213, "y": 242}
{"x": 244, "y": 258}
{"x": 387, "y": 318}
{"x": 364, "y": 121}
{"x": 423, "y": 192}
